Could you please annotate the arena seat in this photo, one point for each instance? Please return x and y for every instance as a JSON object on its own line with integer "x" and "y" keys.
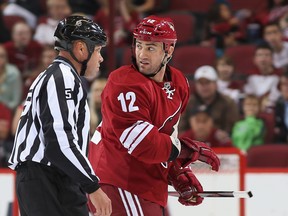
{"x": 5, "y": 113}
{"x": 11, "y": 20}
{"x": 201, "y": 6}
{"x": 189, "y": 58}
{"x": 242, "y": 56}
{"x": 256, "y": 6}
{"x": 184, "y": 23}
{"x": 126, "y": 56}
{"x": 269, "y": 155}
{"x": 269, "y": 122}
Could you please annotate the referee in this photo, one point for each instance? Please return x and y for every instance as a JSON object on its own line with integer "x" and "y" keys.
{"x": 49, "y": 153}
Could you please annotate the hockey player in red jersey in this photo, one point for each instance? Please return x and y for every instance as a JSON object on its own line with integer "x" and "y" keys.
{"x": 135, "y": 150}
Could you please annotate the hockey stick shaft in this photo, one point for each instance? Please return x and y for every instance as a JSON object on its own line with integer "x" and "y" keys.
{"x": 215, "y": 194}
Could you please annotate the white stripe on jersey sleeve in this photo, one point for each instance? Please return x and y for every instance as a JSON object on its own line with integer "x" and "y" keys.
{"x": 132, "y": 136}
{"x": 140, "y": 138}
{"x": 96, "y": 138}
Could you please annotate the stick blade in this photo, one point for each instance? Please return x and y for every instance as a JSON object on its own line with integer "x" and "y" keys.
{"x": 242, "y": 194}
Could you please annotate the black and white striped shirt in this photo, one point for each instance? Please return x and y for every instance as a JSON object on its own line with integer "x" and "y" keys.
{"x": 54, "y": 125}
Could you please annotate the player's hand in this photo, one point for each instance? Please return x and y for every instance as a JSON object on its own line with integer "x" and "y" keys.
{"x": 101, "y": 202}
{"x": 192, "y": 150}
{"x": 186, "y": 184}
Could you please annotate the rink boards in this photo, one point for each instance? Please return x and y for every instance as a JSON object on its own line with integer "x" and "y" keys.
{"x": 269, "y": 188}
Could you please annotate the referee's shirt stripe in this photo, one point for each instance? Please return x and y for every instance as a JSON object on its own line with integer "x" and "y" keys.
{"x": 59, "y": 115}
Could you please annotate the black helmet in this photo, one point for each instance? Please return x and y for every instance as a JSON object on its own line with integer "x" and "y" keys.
{"x": 78, "y": 28}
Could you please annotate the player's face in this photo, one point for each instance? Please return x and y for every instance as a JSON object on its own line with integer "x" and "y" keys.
{"x": 93, "y": 65}
{"x": 149, "y": 56}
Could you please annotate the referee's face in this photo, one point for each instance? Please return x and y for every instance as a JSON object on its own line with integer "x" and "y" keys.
{"x": 93, "y": 65}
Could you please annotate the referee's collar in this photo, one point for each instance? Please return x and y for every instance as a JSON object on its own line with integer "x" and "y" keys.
{"x": 65, "y": 61}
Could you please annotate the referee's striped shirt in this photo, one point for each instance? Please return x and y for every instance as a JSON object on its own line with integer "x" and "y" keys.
{"x": 54, "y": 125}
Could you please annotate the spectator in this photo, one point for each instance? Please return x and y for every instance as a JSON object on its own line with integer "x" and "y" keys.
{"x": 274, "y": 11}
{"x": 143, "y": 7}
{"x": 5, "y": 139}
{"x": 249, "y": 131}
{"x": 202, "y": 128}
{"x": 223, "y": 109}
{"x": 283, "y": 23}
{"x": 10, "y": 82}
{"x": 29, "y": 10}
{"x": 264, "y": 82}
{"x": 57, "y": 10}
{"x": 281, "y": 112}
{"x": 226, "y": 83}
{"x": 87, "y": 7}
{"x": 22, "y": 50}
{"x": 274, "y": 37}
{"x": 277, "y": 9}
{"x": 223, "y": 28}
{"x": 125, "y": 21}
{"x": 95, "y": 102}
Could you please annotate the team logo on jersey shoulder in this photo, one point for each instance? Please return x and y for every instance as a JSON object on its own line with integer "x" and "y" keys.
{"x": 168, "y": 90}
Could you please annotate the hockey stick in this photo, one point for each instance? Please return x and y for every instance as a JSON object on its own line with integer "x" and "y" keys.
{"x": 204, "y": 194}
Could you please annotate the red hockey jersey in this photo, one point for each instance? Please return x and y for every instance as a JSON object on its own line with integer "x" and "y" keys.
{"x": 131, "y": 148}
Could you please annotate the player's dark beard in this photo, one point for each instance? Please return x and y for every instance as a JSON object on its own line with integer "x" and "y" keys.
{"x": 160, "y": 67}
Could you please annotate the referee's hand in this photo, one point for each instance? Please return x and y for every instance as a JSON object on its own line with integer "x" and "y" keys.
{"x": 101, "y": 202}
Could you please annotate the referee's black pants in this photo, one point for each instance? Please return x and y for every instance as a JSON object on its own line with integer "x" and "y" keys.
{"x": 45, "y": 191}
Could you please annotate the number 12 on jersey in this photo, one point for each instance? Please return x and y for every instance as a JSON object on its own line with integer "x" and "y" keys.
{"x": 128, "y": 97}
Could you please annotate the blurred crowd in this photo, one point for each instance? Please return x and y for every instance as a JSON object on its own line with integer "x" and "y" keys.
{"x": 235, "y": 58}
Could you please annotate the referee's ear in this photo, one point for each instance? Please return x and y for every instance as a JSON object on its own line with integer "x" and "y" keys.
{"x": 80, "y": 50}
